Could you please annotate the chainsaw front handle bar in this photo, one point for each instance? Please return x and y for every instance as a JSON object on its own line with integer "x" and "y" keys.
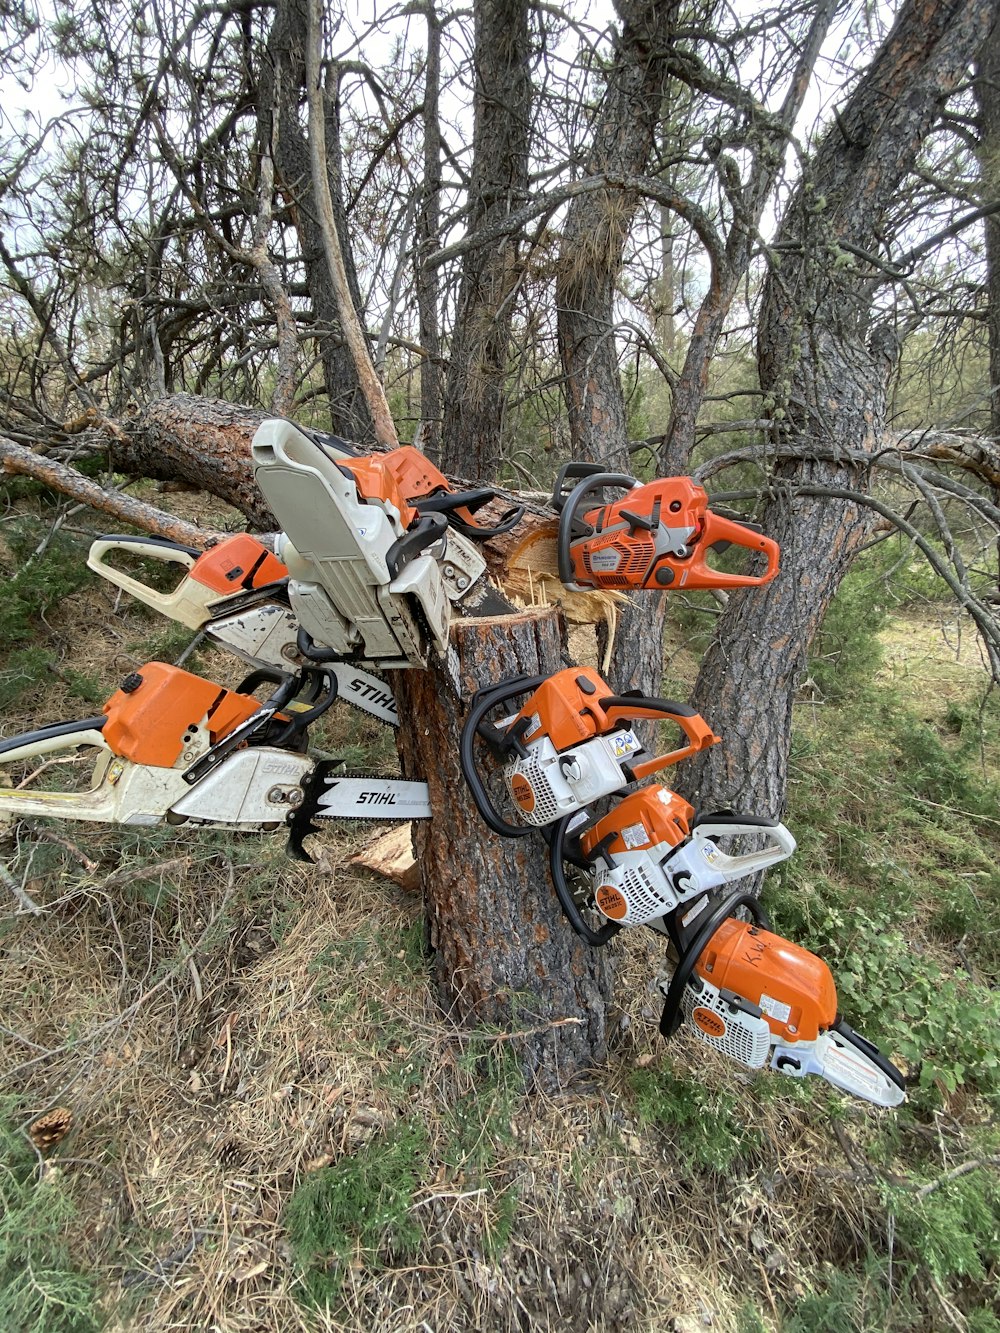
{"x": 670, "y": 1019}
{"x": 571, "y": 911}
{"x": 574, "y": 502}
{"x": 483, "y": 701}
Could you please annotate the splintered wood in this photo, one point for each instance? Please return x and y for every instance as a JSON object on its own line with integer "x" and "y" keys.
{"x": 391, "y": 855}
{"x": 532, "y": 579}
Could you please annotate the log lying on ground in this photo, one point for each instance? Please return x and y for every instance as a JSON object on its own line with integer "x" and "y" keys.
{"x": 16, "y": 460}
{"x": 504, "y": 957}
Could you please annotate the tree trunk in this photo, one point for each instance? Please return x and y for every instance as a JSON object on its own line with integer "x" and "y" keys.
{"x": 827, "y": 365}
{"x": 597, "y": 227}
{"x": 282, "y": 82}
{"x": 504, "y": 957}
{"x": 428, "y": 240}
{"x": 472, "y": 435}
{"x": 987, "y": 89}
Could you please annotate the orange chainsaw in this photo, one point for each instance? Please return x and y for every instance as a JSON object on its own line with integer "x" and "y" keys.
{"x": 763, "y": 1000}
{"x": 657, "y": 535}
{"x": 171, "y": 747}
{"x": 647, "y": 856}
{"x": 567, "y": 746}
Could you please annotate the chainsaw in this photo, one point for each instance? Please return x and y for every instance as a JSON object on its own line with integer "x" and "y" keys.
{"x": 657, "y": 535}
{"x": 175, "y": 748}
{"x": 236, "y": 593}
{"x": 763, "y": 1000}
{"x": 567, "y": 746}
{"x": 647, "y": 856}
{"x": 372, "y": 579}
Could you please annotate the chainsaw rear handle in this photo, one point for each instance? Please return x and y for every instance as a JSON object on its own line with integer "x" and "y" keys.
{"x": 719, "y": 529}
{"x": 483, "y": 701}
{"x": 671, "y": 1018}
{"x": 595, "y": 481}
{"x": 185, "y": 603}
{"x": 699, "y": 734}
{"x": 780, "y": 846}
{"x": 571, "y": 911}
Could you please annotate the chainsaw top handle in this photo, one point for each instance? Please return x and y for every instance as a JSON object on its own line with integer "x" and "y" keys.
{"x": 670, "y": 1019}
{"x": 483, "y": 701}
{"x": 569, "y": 526}
{"x": 634, "y": 707}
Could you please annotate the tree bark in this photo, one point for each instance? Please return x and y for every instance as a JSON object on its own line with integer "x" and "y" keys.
{"x": 282, "y": 82}
{"x": 827, "y": 364}
{"x": 504, "y": 957}
{"x": 987, "y": 90}
{"x": 475, "y": 402}
{"x": 428, "y": 240}
{"x": 597, "y": 227}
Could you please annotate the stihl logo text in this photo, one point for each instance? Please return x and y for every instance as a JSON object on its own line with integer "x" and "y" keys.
{"x": 373, "y": 694}
{"x": 377, "y": 798}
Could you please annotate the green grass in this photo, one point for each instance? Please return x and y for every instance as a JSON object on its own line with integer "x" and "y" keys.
{"x": 41, "y": 1289}
{"x": 362, "y": 1205}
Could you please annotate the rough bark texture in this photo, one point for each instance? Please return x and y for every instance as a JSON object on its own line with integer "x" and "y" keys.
{"x": 428, "y": 240}
{"x": 987, "y": 88}
{"x": 200, "y": 440}
{"x": 503, "y": 955}
{"x": 475, "y": 402}
{"x": 597, "y": 226}
{"x": 282, "y": 80}
{"x": 828, "y": 364}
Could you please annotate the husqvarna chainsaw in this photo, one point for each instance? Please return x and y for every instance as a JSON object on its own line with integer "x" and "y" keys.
{"x": 657, "y": 535}
{"x": 174, "y": 748}
{"x": 567, "y": 746}
{"x": 763, "y": 1000}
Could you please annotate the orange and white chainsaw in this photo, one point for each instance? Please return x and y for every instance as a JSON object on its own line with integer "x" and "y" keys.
{"x": 762, "y": 1000}
{"x": 748, "y": 993}
{"x": 236, "y": 593}
{"x": 657, "y": 535}
{"x": 650, "y": 854}
{"x": 174, "y": 748}
{"x": 386, "y": 539}
{"x": 567, "y": 745}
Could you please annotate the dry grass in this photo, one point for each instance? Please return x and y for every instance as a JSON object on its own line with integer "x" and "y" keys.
{"x": 224, "y": 1023}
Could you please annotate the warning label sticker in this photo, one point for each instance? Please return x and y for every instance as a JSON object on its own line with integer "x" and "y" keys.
{"x": 775, "y": 1009}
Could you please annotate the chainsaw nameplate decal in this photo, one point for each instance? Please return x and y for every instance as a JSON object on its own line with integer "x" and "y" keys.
{"x": 711, "y": 1023}
{"x": 611, "y": 902}
{"x": 521, "y": 790}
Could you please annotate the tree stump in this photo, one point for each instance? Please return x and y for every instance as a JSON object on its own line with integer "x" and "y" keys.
{"x": 504, "y": 956}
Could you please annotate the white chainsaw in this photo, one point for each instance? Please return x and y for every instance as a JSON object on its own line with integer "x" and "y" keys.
{"x": 236, "y": 593}
{"x": 174, "y": 748}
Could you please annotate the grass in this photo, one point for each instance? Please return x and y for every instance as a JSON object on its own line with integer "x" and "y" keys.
{"x": 276, "y": 1129}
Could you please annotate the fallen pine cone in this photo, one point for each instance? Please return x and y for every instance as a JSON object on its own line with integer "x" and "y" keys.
{"x": 50, "y": 1129}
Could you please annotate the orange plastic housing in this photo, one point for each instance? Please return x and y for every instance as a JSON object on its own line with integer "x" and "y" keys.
{"x": 227, "y": 567}
{"x": 377, "y": 480}
{"x": 793, "y": 987}
{"x": 416, "y": 476}
{"x": 665, "y": 817}
{"x": 148, "y": 724}
{"x": 567, "y": 706}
